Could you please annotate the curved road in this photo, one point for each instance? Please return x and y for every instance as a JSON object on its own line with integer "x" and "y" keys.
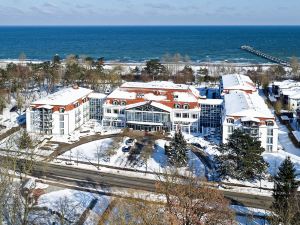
{"x": 61, "y": 173}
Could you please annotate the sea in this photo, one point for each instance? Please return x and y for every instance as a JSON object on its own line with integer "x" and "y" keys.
{"x": 141, "y": 43}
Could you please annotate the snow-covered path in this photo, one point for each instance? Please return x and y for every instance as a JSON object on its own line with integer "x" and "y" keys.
{"x": 285, "y": 141}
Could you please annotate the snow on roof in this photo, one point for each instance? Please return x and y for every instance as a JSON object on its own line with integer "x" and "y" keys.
{"x": 286, "y": 84}
{"x": 237, "y": 82}
{"x": 184, "y": 97}
{"x": 291, "y": 91}
{"x": 45, "y": 107}
{"x": 153, "y": 97}
{"x": 156, "y": 85}
{"x": 65, "y": 96}
{"x": 240, "y": 104}
{"x": 120, "y": 94}
{"x": 279, "y": 83}
{"x": 97, "y": 95}
{"x": 208, "y": 101}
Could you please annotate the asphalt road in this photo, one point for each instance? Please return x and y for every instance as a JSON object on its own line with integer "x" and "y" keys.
{"x": 63, "y": 173}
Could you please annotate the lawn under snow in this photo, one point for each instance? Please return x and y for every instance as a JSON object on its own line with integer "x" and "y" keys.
{"x": 73, "y": 203}
{"x": 157, "y": 162}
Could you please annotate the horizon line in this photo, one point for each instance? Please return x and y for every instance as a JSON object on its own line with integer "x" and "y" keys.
{"x": 149, "y": 25}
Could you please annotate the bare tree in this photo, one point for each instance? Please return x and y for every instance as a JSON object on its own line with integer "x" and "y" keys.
{"x": 190, "y": 201}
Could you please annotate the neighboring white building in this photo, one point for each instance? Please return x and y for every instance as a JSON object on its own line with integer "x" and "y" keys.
{"x": 294, "y": 101}
{"x": 278, "y": 87}
{"x": 153, "y": 106}
{"x": 59, "y": 113}
{"x": 249, "y": 113}
{"x": 235, "y": 82}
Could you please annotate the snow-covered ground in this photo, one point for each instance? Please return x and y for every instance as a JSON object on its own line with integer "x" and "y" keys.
{"x": 73, "y": 203}
{"x": 247, "y": 215}
{"x": 157, "y": 162}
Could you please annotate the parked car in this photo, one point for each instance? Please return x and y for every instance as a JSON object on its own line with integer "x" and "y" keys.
{"x": 14, "y": 109}
{"x": 197, "y": 145}
{"x": 126, "y": 148}
{"x": 70, "y": 163}
{"x": 130, "y": 142}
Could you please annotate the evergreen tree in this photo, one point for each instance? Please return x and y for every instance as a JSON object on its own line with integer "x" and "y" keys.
{"x": 241, "y": 157}
{"x": 286, "y": 210}
{"x": 25, "y": 141}
{"x": 178, "y": 150}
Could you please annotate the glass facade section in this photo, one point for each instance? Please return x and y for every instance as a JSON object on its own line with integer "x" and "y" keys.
{"x": 210, "y": 115}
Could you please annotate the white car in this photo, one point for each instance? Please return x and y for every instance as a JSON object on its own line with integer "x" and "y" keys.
{"x": 70, "y": 163}
{"x": 130, "y": 142}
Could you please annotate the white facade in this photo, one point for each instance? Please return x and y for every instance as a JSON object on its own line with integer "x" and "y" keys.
{"x": 153, "y": 106}
{"x": 249, "y": 113}
{"x": 69, "y": 110}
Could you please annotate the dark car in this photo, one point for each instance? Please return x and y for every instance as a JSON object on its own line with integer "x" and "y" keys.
{"x": 197, "y": 145}
{"x": 14, "y": 109}
{"x": 126, "y": 148}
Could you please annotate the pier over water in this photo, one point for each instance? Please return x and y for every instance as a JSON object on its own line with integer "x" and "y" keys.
{"x": 265, "y": 56}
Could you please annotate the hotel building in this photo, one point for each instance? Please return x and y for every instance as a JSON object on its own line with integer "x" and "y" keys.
{"x": 59, "y": 113}
{"x": 153, "y": 106}
{"x": 249, "y": 113}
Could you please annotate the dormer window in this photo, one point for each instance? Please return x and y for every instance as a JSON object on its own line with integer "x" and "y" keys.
{"x": 269, "y": 123}
{"x": 186, "y": 106}
{"x": 175, "y": 96}
{"x": 123, "y": 103}
{"x": 115, "y": 102}
{"x": 61, "y": 110}
{"x": 230, "y": 120}
{"x": 177, "y": 106}
{"x": 76, "y": 104}
{"x": 140, "y": 95}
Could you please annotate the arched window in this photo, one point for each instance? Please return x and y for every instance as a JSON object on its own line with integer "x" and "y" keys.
{"x": 186, "y": 106}
{"x": 230, "y": 120}
{"x": 115, "y": 102}
{"x": 177, "y": 106}
{"x": 123, "y": 103}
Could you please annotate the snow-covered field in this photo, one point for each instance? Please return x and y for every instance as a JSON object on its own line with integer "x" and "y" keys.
{"x": 247, "y": 215}
{"x": 73, "y": 203}
{"x": 157, "y": 162}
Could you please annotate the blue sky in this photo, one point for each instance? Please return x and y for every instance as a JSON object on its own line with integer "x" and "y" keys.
{"x": 149, "y": 12}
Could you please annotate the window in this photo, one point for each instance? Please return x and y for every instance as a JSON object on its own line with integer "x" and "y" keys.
{"x": 269, "y": 148}
{"x": 230, "y": 129}
{"x": 115, "y": 102}
{"x": 108, "y": 110}
{"x": 61, "y": 117}
{"x": 122, "y": 112}
{"x": 230, "y": 120}
{"x": 270, "y": 140}
{"x": 61, "y": 110}
{"x": 175, "y": 96}
{"x": 123, "y": 103}
{"x": 269, "y": 123}
{"x": 116, "y": 111}
{"x": 185, "y": 115}
{"x": 195, "y": 116}
{"x": 177, "y": 115}
{"x": 177, "y": 106}
{"x": 186, "y": 106}
{"x": 270, "y": 132}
